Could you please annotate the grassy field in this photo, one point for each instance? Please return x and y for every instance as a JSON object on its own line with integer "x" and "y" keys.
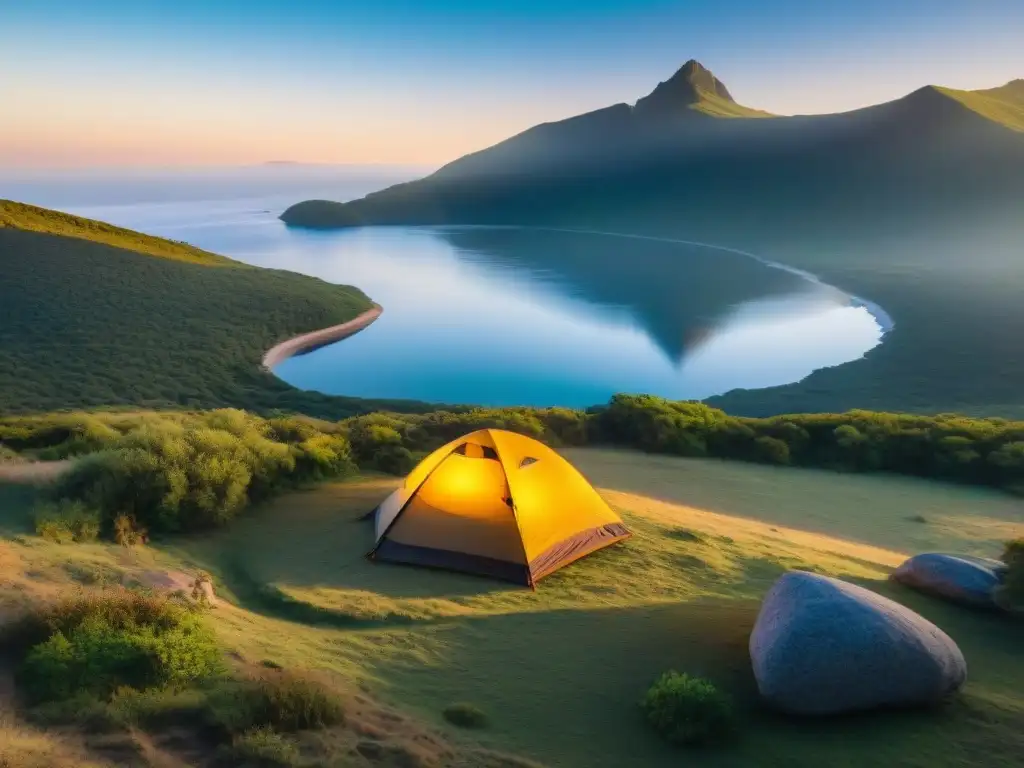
{"x": 559, "y": 670}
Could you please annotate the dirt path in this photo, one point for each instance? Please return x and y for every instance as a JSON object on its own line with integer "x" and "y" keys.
{"x": 310, "y": 341}
{"x": 33, "y": 471}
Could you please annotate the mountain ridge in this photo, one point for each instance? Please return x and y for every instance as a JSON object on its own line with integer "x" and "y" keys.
{"x": 689, "y": 129}
{"x": 692, "y": 89}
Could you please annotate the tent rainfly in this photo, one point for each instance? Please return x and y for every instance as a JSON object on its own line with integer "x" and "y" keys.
{"x": 494, "y": 503}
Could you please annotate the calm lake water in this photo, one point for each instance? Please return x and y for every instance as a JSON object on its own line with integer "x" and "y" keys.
{"x": 497, "y": 316}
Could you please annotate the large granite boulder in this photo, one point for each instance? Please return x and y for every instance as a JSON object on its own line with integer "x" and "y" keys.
{"x": 822, "y": 646}
{"x": 960, "y": 578}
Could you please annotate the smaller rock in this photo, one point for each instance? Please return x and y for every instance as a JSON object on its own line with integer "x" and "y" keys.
{"x": 962, "y": 579}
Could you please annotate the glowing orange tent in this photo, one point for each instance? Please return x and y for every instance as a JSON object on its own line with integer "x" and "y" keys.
{"x": 497, "y": 504}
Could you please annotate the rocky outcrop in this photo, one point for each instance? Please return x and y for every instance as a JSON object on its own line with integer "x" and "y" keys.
{"x": 959, "y": 578}
{"x": 822, "y": 646}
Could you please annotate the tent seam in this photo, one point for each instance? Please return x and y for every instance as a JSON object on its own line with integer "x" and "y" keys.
{"x": 515, "y": 512}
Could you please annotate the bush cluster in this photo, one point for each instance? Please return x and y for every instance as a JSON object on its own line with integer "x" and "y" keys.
{"x": 688, "y": 710}
{"x": 262, "y": 748}
{"x": 283, "y": 702}
{"x": 179, "y": 472}
{"x": 393, "y": 442}
{"x": 1012, "y": 588}
{"x": 182, "y": 471}
{"x": 67, "y": 520}
{"x": 946, "y": 447}
{"x": 94, "y": 645}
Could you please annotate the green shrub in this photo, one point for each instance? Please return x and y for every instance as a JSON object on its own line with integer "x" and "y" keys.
{"x": 157, "y": 706}
{"x": 95, "y": 645}
{"x": 284, "y": 702}
{"x": 1012, "y": 589}
{"x": 81, "y": 709}
{"x": 465, "y": 715}
{"x": 262, "y": 748}
{"x": 771, "y": 450}
{"x": 196, "y": 472}
{"x": 67, "y": 520}
{"x": 688, "y": 710}
{"x": 8, "y": 456}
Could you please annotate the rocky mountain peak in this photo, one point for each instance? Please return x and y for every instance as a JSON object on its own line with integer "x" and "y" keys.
{"x": 691, "y": 83}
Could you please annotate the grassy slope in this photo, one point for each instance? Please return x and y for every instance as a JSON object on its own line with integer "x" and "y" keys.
{"x": 1003, "y": 105}
{"x": 559, "y": 670}
{"x": 30, "y": 218}
{"x": 90, "y": 318}
{"x": 715, "y": 106}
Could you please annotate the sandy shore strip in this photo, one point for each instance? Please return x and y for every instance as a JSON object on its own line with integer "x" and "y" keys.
{"x": 307, "y": 342}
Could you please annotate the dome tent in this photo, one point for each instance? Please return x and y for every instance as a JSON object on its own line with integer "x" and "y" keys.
{"x": 494, "y": 503}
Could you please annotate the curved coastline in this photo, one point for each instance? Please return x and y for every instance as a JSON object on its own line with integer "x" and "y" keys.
{"x": 307, "y": 342}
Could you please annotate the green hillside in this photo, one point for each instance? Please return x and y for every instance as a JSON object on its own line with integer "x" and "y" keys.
{"x": 1003, "y": 105}
{"x": 93, "y": 315}
{"x": 715, "y": 106}
{"x": 31, "y": 218}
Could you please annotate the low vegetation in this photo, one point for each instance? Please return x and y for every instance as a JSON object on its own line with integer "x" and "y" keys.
{"x": 116, "y": 660}
{"x": 688, "y": 710}
{"x": 946, "y": 447}
{"x": 90, "y": 646}
{"x": 152, "y": 473}
{"x": 280, "y": 701}
{"x": 262, "y": 747}
{"x": 161, "y": 473}
{"x": 1012, "y": 590}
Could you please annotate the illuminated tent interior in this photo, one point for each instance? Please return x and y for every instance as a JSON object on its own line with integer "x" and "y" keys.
{"x": 497, "y": 504}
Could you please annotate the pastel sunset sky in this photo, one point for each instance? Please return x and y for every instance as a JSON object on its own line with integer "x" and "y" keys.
{"x": 198, "y": 82}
